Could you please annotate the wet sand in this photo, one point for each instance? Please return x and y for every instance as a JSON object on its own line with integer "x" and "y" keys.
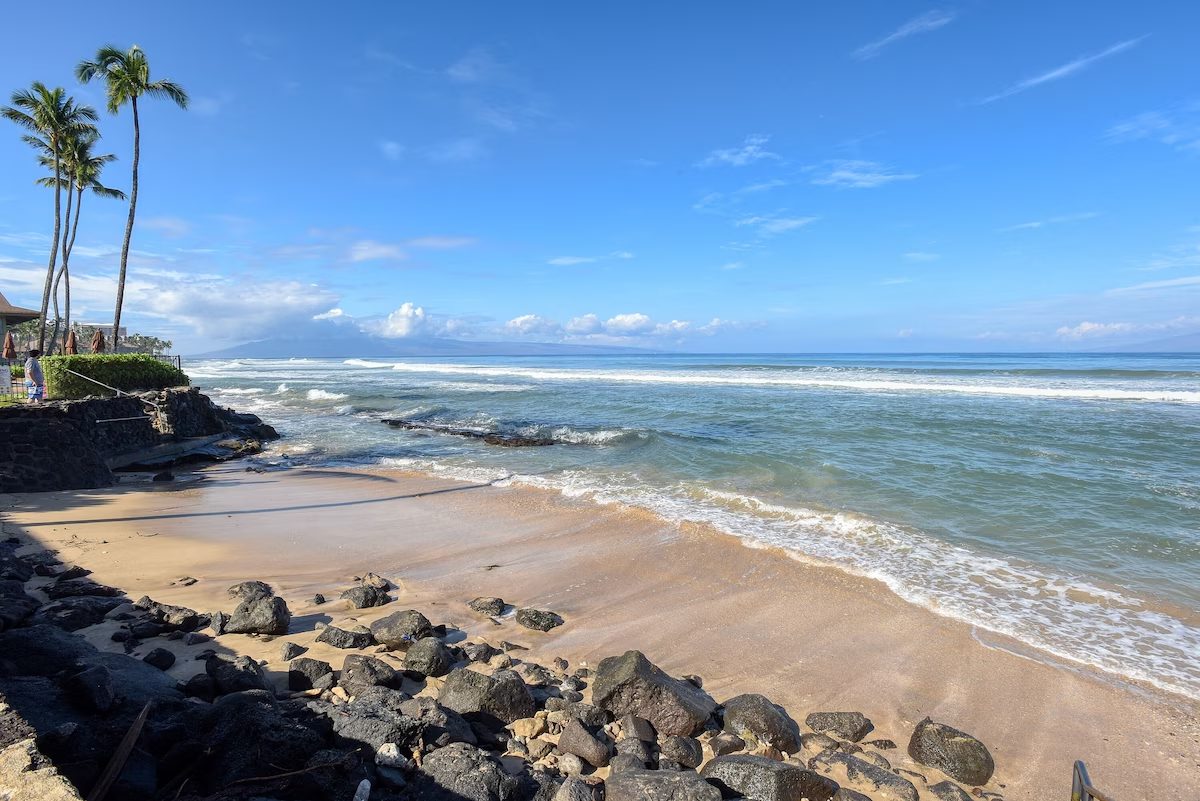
{"x": 695, "y": 601}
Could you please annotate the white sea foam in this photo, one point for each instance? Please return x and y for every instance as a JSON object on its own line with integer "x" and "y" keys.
{"x": 239, "y": 390}
{"x": 321, "y": 394}
{"x": 802, "y": 380}
{"x": 1063, "y": 615}
{"x": 368, "y": 365}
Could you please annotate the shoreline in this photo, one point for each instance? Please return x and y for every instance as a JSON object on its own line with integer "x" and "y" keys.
{"x": 696, "y": 600}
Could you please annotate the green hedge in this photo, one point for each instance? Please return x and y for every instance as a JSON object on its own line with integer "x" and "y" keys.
{"x": 131, "y": 372}
{"x": 17, "y": 371}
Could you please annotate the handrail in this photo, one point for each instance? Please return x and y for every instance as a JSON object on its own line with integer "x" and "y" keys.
{"x": 114, "y": 389}
{"x": 1081, "y": 785}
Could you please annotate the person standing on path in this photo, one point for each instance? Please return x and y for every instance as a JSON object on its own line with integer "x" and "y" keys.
{"x": 35, "y": 381}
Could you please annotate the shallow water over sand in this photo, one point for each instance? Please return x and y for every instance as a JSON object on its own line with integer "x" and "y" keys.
{"x": 1052, "y": 498}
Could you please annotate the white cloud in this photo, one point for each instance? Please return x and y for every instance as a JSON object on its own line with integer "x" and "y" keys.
{"x": 895, "y": 281}
{"x": 929, "y": 21}
{"x": 1062, "y": 218}
{"x": 1064, "y": 71}
{"x": 568, "y": 261}
{"x": 333, "y": 314}
{"x": 235, "y": 309}
{"x": 532, "y": 325}
{"x": 407, "y": 321}
{"x": 171, "y": 227}
{"x": 904, "y": 333}
{"x": 733, "y": 265}
{"x": 857, "y": 174}
{"x": 629, "y": 324}
{"x": 391, "y": 150}
{"x": 370, "y": 250}
{"x": 751, "y": 150}
{"x": 769, "y": 225}
{"x": 1178, "y": 128}
{"x": 1186, "y": 281}
{"x": 585, "y": 324}
{"x": 1093, "y": 330}
{"x": 921, "y": 256}
{"x": 621, "y": 254}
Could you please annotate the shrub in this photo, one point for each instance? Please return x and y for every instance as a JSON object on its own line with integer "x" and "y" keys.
{"x": 131, "y": 372}
{"x": 17, "y": 371}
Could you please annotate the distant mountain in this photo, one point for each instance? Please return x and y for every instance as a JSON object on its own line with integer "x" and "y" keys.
{"x": 1184, "y": 343}
{"x": 348, "y": 344}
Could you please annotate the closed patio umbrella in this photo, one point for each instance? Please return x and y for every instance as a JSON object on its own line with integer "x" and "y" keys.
{"x": 10, "y": 347}
{"x": 98, "y": 342}
{"x": 71, "y": 347}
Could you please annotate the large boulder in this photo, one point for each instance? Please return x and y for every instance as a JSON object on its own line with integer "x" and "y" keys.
{"x": 374, "y": 718}
{"x": 852, "y": 726}
{"x": 364, "y": 596}
{"x": 766, "y": 779}
{"x": 346, "y": 636}
{"x": 401, "y": 629}
{"x": 658, "y": 785}
{"x": 632, "y": 685}
{"x": 953, "y": 752}
{"x": 258, "y": 615}
{"x": 428, "y": 657}
{"x": 877, "y": 782}
{"x": 577, "y": 740}
{"x": 236, "y": 675}
{"x": 16, "y": 606}
{"x": 494, "y": 701}
{"x": 462, "y": 772}
{"x": 754, "y": 716}
{"x": 687, "y": 751}
{"x": 73, "y": 614}
{"x": 948, "y": 791}
{"x": 360, "y": 672}
{"x": 442, "y": 726}
{"x": 305, "y": 673}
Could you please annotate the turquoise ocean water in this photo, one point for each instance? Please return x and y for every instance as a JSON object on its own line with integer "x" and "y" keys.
{"x": 1052, "y": 498}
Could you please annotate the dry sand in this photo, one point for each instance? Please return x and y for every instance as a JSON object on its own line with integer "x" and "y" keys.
{"x": 747, "y": 620}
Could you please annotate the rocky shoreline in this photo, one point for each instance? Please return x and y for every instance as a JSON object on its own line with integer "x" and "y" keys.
{"x": 415, "y": 711}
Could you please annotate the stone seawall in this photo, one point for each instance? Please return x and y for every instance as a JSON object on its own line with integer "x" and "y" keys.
{"x": 68, "y": 444}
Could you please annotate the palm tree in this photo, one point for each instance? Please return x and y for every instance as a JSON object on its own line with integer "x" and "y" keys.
{"x": 81, "y": 171}
{"x": 126, "y": 75}
{"x": 54, "y": 116}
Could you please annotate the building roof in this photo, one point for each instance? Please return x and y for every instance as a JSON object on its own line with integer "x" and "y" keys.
{"x": 15, "y": 314}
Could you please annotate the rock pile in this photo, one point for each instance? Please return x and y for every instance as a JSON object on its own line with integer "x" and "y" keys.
{"x": 422, "y": 716}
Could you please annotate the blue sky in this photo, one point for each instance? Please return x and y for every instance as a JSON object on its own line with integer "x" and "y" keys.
{"x": 775, "y": 177}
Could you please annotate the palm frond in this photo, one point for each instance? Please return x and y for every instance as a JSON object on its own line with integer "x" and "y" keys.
{"x": 170, "y": 90}
{"x": 109, "y": 192}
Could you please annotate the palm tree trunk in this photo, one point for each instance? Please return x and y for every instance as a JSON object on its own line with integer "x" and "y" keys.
{"x": 67, "y": 270}
{"x": 58, "y": 276}
{"x": 133, "y": 192}
{"x": 53, "y": 243}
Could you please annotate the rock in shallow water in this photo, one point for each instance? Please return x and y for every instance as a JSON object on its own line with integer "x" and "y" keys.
{"x": 632, "y": 685}
{"x": 538, "y": 619}
{"x": 492, "y": 607}
{"x": 955, "y": 753}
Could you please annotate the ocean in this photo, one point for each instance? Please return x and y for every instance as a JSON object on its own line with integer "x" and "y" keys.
{"x": 1051, "y": 498}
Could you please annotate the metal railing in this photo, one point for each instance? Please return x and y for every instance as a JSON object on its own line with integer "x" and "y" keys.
{"x": 1081, "y": 786}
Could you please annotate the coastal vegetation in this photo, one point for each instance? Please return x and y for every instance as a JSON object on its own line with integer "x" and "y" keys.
{"x": 65, "y": 135}
{"x": 124, "y": 371}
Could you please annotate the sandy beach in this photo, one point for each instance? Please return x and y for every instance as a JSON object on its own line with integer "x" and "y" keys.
{"x": 745, "y": 619}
